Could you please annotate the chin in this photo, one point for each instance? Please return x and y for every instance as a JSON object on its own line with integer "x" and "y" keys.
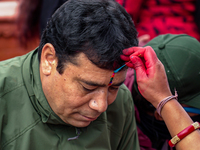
{"x": 80, "y": 124}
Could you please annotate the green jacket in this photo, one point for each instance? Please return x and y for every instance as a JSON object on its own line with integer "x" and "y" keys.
{"x": 28, "y": 123}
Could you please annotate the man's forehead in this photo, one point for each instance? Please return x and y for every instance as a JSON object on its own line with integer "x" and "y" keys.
{"x": 89, "y": 73}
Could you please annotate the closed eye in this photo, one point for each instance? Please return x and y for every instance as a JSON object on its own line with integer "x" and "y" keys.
{"x": 113, "y": 88}
{"x": 88, "y": 90}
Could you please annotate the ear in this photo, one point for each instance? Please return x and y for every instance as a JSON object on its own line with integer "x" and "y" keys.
{"x": 48, "y": 61}
{"x": 157, "y": 116}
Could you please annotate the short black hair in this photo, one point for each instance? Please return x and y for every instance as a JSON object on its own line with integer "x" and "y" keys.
{"x": 101, "y": 29}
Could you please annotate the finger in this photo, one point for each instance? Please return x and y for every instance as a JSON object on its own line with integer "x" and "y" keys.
{"x": 148, "y": 54}
{"x": 130, "y": 50}
{"x": 150, "y": 59}
{"x": 139, "y": 67}
{"x": 125, "y": 58}
{"x": 130, "y": 64}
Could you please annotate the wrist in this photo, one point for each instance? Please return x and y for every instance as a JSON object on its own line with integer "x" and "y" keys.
{"x": 162, "y": 103}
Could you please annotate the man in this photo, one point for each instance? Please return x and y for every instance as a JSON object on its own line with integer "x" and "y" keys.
{"x": 57, "y": 96}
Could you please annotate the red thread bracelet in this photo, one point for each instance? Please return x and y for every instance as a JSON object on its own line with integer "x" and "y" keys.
{"x": 183, "y": 134}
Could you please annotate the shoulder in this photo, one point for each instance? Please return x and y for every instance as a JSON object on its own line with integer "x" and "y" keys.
{"x": 16, "y": 109}
{"x": 11, "y": 74}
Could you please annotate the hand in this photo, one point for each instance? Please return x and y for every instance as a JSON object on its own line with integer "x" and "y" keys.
{"x": 143, "y": 39}
{"x": 151, "y": 77}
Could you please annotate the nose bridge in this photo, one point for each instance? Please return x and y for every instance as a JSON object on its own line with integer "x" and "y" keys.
{"x": 99, "y": 101}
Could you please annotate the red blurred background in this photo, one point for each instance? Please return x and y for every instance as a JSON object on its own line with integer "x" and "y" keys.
{"x": 9, "y": 43}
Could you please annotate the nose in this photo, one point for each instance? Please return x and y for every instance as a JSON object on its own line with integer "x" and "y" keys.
{"x": 99, "y": 102}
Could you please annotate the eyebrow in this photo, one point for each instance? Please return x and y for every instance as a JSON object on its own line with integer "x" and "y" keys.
{"x": 91, "y": 83}
{"x": 117, "y": 84}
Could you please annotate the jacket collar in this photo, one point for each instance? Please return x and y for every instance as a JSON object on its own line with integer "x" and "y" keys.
{"x": 31, "y": 76}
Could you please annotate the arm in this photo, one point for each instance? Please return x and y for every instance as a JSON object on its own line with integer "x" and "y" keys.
{"x": 153, "y": 85}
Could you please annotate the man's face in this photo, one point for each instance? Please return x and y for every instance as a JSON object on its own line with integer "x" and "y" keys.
{"x": 81, "y": 93}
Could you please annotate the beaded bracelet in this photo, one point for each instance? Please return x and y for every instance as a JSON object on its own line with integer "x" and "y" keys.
{"x": 183, "y": 134}
{"x": 164, "y": 101}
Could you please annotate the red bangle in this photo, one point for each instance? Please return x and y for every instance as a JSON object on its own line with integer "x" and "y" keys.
{"x": 183, "y": 134}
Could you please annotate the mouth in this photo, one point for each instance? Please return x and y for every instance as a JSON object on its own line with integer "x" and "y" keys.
{"x": 89, "y": 118}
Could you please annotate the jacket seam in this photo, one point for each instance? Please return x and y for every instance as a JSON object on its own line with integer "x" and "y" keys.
{"x": 12, "y": 89}
{"x": 21, "y": 133}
